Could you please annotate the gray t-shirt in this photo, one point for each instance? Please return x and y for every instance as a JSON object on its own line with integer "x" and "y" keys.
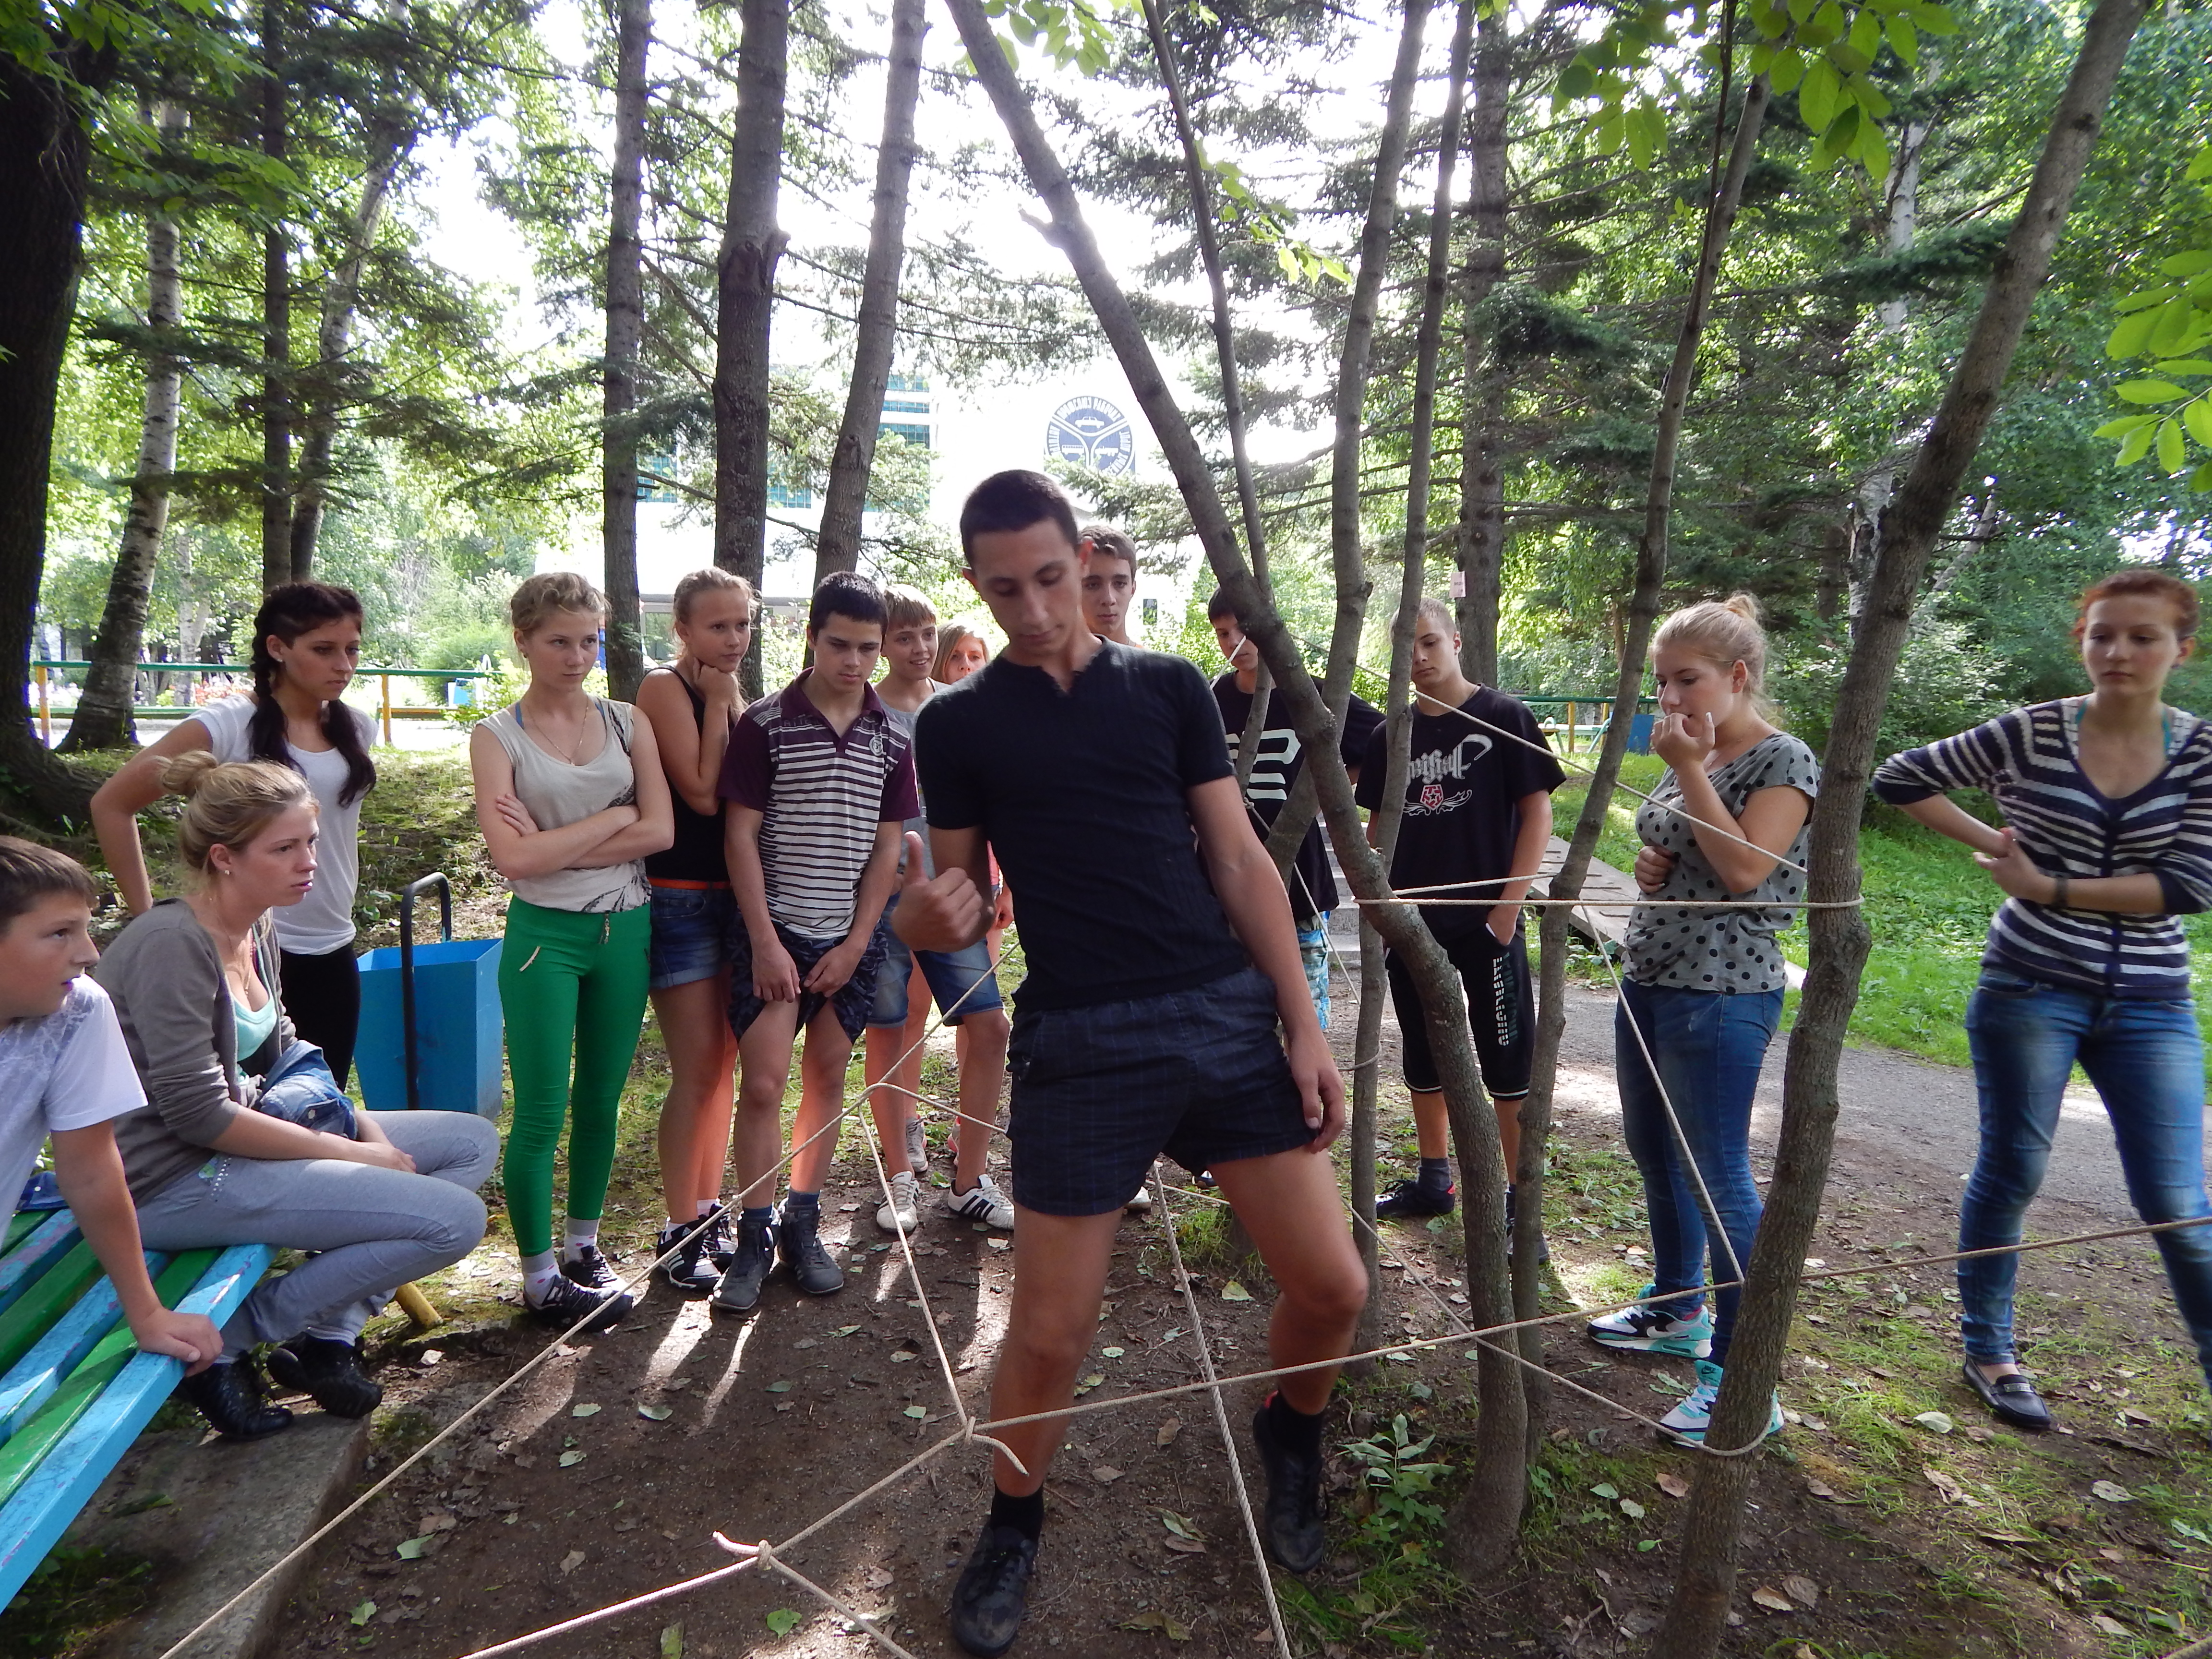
{"x": 1727, "y": 949}
{"x": 919, "y": 823}
{"x": 559, "y": 795}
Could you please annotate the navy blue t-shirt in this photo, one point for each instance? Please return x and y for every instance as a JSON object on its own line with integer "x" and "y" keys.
{"x": 1081, "y": 796}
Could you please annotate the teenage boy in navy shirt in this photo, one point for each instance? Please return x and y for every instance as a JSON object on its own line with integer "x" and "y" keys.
{"x": 819, "y": 779}
{"x": 1161, "y": 958}
{"x": 1478, "y": 807}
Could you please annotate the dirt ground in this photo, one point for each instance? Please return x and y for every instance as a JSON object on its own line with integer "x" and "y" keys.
{"x": 608, "y": 1472}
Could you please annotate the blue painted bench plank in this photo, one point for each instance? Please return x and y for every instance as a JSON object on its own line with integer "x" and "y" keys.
{"x": 55, "y": 1237}
{"x": 75, "y": 1334}
{"x": 35, "y": 1519}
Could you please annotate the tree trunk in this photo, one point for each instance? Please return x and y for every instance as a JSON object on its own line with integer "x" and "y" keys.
{"x": 1705, "y": 1579}
{"x": 625, "y": 301}
{"x": 745, "y": 289}
{"x": 103, "y": 714}
{"x": 276, "y": 325}
{"x": 1490, "y": 1539}
{"x": 1482, "y": 398}
{"x": 838, "y": 546}
{"x": 44, "y": 153}
{"x": 318, "y": 416}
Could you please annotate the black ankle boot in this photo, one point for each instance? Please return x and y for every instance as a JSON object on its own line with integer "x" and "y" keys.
{"x": 330, "y": 1371}
{"x": 230, "y": 1398}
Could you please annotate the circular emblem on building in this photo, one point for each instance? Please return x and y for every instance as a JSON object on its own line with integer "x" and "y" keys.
{"x": 1090, "y": 431}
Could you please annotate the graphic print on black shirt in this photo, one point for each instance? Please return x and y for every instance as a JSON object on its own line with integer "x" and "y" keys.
{"x": 1275, "y": 771}
{"x": 1081, "y": 794}
{"x": 1461, "y": 786}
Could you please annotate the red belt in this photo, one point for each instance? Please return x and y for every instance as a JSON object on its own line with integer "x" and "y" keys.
{"x": 687, "y": 886}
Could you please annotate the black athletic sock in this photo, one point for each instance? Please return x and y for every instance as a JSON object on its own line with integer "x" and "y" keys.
{"x": 1025, "y": 1515}
{"x": 1293, "y": 1430}
{"x": 1436, "y": 1173}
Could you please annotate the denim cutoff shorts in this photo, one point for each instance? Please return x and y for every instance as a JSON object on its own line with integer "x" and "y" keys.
{"x": 961, "y": 983}
{"x": 690, "y": 934}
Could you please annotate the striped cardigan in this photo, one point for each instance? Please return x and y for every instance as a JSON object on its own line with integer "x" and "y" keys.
{"x": 2026, "y": 759}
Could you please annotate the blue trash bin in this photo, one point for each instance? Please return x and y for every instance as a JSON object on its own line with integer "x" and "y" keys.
{"x": 1639, "y": 734}
{"x": 457, "y": 1049}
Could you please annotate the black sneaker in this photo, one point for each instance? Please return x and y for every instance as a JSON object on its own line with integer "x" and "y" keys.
{"x": 993, "y": 1591}
{"x": 753, "y": 1254}
{"x": 1411, "y": 1200}
{"x": 589, "y": 1268}
{"x": 329, "y": 1372}
{"x": 719, "y": 1247}
{"x": 688, "y": 1270}
{"x": 1293, "y": 1532}
{"x": 802, "y": 1252}
{"x": 230, "y": 1397}
{"x": 1543, "y": 1244}
{"x": 568, "y": 1300}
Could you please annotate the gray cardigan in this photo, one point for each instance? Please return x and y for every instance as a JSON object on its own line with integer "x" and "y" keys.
{"x": 168, "y": 984}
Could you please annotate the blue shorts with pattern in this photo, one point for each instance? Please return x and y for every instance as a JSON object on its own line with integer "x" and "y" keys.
{"x": 850, "y": 1001}
{"x": 961, "y": 983}
{"x": 1100, "y": 1091}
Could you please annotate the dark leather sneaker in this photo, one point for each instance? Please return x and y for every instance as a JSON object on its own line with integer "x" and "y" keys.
{"x": 230, "y": 1398}
{"x": 802, "y": 1252}
{"x": 753, "y": 1254}
{"x": 1410, "y": 1201}
{"x": 329, "y": 1372}
{"x": 2013, "y": 1399}
{"x": 993, "y": 1591}
{"x": 719, "y": 1246}
{"x": 588, "y": 1268}
{"x": 1293, "y": 1532}
{"x": 688, "y": 1270}
{"x": 567, "y": 1301}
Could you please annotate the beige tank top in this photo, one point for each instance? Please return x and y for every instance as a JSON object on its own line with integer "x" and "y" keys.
{"x": 559, "y": 795}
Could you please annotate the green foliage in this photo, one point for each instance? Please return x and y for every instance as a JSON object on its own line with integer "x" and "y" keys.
{"x": 2168, "y": 327}
{"x": 1400, "y": 1478}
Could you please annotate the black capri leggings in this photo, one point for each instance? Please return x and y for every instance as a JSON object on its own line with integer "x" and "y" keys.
{"x": 323, "y": 996}
{"x": 1501, "y": 1008}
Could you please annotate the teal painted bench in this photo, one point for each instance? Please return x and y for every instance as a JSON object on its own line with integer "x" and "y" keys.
{"x": 75, "y": 1391}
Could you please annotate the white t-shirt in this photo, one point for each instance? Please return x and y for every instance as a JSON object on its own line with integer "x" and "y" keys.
{"x": 68, "y": 1070}
{"x": 323, "y": 922}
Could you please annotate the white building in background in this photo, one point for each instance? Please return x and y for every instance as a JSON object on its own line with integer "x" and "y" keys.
{"x": 1083, "y": 417}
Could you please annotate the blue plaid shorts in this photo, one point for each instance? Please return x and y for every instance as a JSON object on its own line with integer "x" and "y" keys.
{"x": 1101, "y": 1091}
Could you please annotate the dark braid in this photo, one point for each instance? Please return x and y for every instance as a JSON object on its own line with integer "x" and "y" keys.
{"x": 294, "y": 608}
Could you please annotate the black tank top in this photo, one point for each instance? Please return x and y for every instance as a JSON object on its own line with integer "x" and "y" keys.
{"x": 696, "y": 853}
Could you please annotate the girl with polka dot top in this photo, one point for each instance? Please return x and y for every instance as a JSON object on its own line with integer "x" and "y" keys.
{"x": 1703, "y": 993}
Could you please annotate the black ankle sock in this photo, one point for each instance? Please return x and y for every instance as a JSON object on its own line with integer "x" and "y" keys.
{"x": 1025, "y": 1515}
{"x": 1436, "y": 1173}
{"x": 1292, "y": 1428}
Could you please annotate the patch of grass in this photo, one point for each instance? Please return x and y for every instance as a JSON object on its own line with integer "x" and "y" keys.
{"x": 74, "y": 1598}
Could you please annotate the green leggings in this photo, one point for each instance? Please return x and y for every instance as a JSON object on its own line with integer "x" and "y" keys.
{"x": 571, "y": 989}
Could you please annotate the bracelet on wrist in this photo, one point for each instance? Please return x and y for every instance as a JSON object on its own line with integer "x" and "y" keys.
{"x": 2059, "y": 885}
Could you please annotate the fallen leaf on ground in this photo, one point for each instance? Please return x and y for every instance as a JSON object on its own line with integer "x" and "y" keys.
{"x": 655, "y": 1413}
{"x": 1112, "y": 1354}
{"x": 1232, "y": 1291}
{"x": 429, "y": 1356}
{"x": 1772, "y": 1600}
{"x": 783, "y": 1621}
{"x": 917, "y": 1411}
{"x": 1934, "y": 1422}
{"x": 571, "y": 1560}
{"x": 1818, "y": 1488}
{"x": 1605, "y": 1490}
{"x": 2111, "y": 1491}
{"x": 1945, "y": 1483}
{"x": 587, "y": 1410}
{"x": 363, "y": 1613}
{"x": 1632, "y": 1509}
{"x": 845, "y": 1330}
{"x": 437, "y": 1521}
{"x": 1186, "y": 1547}
{"x": 1180, "y": 1525}
{"x": 2109, "y": 1627}
{"x": 1801, "y": 1591}
{"x": 779, "y": 1388}
{"x": 1174, "y": 1629}
{"x": 902, "y": 1356}
{"x": 410, "y": 1549}
{"x": 878, "y": 1578}
{"x": 1105, "y": 1474}
{"x": 570, "y": 1459}
{"x": 1168, "y": 1430}
{"x": 1674, "y": 1486}
{"x": 671, "y": 1642}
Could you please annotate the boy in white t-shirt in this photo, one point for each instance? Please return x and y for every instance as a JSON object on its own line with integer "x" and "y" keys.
{"x": 65, "y": 1072}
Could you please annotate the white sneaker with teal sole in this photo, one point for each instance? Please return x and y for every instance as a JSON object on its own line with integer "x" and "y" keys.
{"x": 1688, "y": 1420}
{"x": 1654, "y": 1329}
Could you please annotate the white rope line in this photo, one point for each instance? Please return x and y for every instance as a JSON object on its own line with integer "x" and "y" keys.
{"x": 766, "y": 1556}
{"x": 1221, "y": 1421}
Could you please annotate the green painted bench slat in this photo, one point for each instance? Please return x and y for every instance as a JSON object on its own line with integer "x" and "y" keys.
{"x": 20, "y": 1227}
{"x": 108, "y": 1415}
{"x": 63, "y": 1348}
{"x": 25, "y": 1263}
{"x": 40, "y": 1304}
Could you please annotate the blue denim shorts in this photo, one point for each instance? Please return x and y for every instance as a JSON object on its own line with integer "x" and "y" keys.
{"x": 690, "y": 934}
{"x": 1099, "y": 1093}
{"x": 961, "y": 983}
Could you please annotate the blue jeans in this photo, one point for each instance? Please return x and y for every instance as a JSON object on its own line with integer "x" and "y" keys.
{"x": 1709, "y": 1046}
{"x": 2147, "y": 1061}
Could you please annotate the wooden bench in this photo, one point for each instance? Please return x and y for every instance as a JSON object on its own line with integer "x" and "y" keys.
{"x": 75, "y": 1391}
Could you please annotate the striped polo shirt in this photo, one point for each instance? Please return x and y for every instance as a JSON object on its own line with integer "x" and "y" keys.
{"x": 2027, "y": 759}
{"x": 821, "y": 798}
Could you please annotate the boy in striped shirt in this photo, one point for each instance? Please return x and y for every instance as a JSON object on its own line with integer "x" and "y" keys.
{"x": 818, "y": 779}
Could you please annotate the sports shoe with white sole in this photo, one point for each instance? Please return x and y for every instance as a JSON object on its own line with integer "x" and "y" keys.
{"x": 1688, "y": 1420}
{"x": 982, "y": 1202}
{"x": 1654, "y": 1329}
{"x": 917, "y": 1147}
{"x": 901, "y": 1212}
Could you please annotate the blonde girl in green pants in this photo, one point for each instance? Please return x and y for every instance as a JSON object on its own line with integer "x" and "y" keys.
{"x": 571, "y": 797}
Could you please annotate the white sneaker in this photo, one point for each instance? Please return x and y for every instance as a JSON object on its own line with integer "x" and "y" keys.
{"x": 917, "y": 1147}
{"x": 903, "y": 1213}
{"x": 984, "y": 1202}
{"x": 1690, "y": 1418}
{"x": 1140, "y": 1201}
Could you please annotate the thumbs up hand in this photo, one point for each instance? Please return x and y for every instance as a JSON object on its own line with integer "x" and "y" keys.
{"x": 942, "y": 912}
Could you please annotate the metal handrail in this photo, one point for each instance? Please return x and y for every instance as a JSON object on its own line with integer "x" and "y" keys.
{"x": 40, "y": 668}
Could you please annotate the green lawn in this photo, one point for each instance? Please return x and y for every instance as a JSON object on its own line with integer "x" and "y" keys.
{"x": 1928, "y": 906}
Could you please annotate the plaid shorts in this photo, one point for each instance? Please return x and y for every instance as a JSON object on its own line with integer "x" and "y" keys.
{"x": 1100, "y": 1091}
{"x": 851, "y": 1000}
